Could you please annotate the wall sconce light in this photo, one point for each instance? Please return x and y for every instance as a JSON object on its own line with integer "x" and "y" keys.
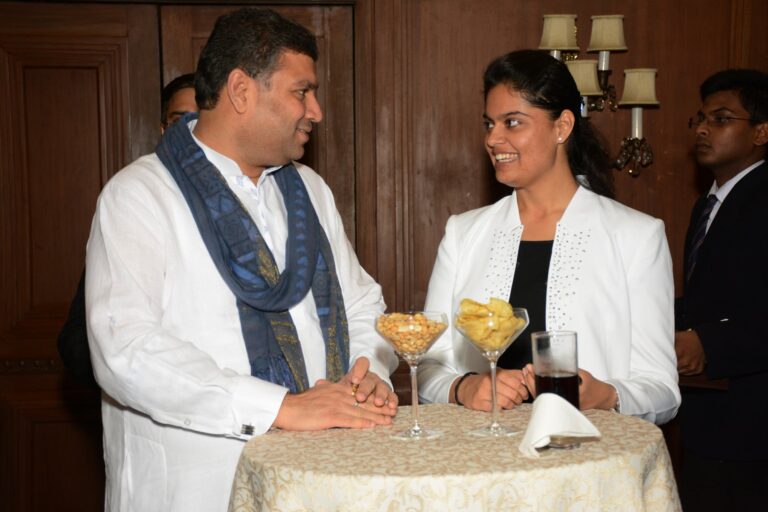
{"x": 559, "y": 34}
{"x": 639, "y": 90}
{"x": 584, "y": 73}
{"x": 592, "y": 78}
{"x": 607, "y": 37}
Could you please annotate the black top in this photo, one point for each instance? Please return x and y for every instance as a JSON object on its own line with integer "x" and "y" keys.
{"x": 529, "y": 291}
{"x": 73, "y": 339}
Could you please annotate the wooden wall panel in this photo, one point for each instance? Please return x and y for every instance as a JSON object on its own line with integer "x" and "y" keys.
{"x": 50, "y": 458}
{"x": 55, "y": 176}
{"x": 79, "y": 99}
{"x": 330, "y": 152}
{"x": 71, "y": 107}
{"x": 380, "y": 88}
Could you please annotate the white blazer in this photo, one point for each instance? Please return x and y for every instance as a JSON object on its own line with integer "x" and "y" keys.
{"x": 610, "y": 280}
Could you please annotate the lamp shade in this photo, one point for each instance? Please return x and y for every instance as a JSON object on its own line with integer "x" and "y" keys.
{"x": 639, "y": 87}
{"x": 607, "y": 33}
{"x": 559, "y": 32}
{"x": 585, "y": 74}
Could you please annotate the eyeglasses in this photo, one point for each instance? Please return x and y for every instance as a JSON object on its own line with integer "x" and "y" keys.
{"x": 715, "y": 121}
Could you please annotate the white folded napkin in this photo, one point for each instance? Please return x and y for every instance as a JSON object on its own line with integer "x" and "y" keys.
{"x": 553, "y": 416}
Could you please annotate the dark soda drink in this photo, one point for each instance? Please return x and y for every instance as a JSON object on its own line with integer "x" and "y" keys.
{"x": 562, "y": 384}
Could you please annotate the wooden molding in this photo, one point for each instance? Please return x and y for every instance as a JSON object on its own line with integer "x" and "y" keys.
{"x": 30, "y": 366}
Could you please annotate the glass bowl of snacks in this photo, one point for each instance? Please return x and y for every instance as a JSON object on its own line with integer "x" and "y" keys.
{"x": 411, "y": 335}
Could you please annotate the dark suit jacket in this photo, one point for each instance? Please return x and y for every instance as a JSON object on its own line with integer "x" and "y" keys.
{"x": 726, "y": 303}
{"x": 73, "y": 339}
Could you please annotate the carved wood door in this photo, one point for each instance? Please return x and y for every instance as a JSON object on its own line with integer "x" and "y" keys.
{"x": 79, "y": 96}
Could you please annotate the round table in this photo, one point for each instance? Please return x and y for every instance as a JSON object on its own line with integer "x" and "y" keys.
{"x": 627, "y": 469}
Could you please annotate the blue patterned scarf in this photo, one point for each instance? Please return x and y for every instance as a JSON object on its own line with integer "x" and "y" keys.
{"x": 247, "y": 266}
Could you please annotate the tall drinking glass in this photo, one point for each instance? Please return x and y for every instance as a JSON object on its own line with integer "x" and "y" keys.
{"x": 556, "y": 364}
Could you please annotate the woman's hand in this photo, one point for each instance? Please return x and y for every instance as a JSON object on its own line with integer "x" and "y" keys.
{"x": 594, "y": 393}
{"x": 475, "y": 390}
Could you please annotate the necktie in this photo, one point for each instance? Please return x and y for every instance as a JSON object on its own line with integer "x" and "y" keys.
{"x": 699, "y": 234}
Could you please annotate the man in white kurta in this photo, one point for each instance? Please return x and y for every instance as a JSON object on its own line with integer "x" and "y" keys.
{"x": 166, "y": 339}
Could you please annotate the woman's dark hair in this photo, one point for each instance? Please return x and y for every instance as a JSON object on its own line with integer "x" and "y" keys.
{"x": 249, "y": 39}
{"x": 546, "y": 83}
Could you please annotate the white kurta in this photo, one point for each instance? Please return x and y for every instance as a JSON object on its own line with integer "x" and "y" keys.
{"x": 610, "y": 280}
{"x": 166, "y": 342}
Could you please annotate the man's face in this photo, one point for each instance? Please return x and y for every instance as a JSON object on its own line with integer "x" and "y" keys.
{"x": 285, "y": 111}
{"x": 724, "y": 144}
{"x": 182, "y": 102}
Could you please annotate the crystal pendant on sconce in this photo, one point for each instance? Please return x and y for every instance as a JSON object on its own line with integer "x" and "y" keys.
{"x": 634, "y": 152}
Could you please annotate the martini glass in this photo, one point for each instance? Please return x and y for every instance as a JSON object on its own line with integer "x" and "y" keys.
{"x": 411, "y": 335}
{"x": 492, "y": 346}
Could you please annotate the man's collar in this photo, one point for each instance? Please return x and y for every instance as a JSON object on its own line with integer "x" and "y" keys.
{"x": 723, "y": 191}
{"x": 226, "y": 166}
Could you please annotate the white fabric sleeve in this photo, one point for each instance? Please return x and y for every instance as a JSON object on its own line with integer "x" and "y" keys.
{"x": 439, "y": 368}
{"x": 136, "y": 361}
{"x": 651, "y": 391}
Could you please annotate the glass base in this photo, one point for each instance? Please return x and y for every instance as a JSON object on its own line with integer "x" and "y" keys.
{"x": 410, "y": 434}
{"x": 563, "y": 443}
{"x": 494, "y": 431}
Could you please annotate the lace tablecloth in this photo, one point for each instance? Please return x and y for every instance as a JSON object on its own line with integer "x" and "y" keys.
{"x": 353, "y": 470}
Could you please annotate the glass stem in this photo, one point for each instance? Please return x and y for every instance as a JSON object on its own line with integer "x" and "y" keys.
{"x": 416, "y": 429}
{"x": 494, "y": 402}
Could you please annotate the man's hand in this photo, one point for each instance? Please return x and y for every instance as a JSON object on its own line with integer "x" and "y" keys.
{"x": 329, "y": 405}
{"x": 475, "y": 390}
{"x": 369, "y": 388}
{"x": 690, "y": 354}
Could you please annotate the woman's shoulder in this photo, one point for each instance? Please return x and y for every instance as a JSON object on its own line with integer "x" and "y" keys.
{"x": 621, "y": 216}
{"x": 484, "y": 215}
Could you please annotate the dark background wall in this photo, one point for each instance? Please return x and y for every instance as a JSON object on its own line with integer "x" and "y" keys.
{"x": 401, "y": 146}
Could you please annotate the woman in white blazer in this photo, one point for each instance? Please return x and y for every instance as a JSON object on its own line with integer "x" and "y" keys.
{"x": 577, "y": 259}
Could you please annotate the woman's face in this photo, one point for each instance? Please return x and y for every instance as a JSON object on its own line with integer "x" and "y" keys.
{"x": 521, "y": 139}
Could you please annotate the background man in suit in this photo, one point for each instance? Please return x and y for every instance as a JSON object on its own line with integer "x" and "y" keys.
{"x": 176, "y": 99}
{"x": 721, "y": 315}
